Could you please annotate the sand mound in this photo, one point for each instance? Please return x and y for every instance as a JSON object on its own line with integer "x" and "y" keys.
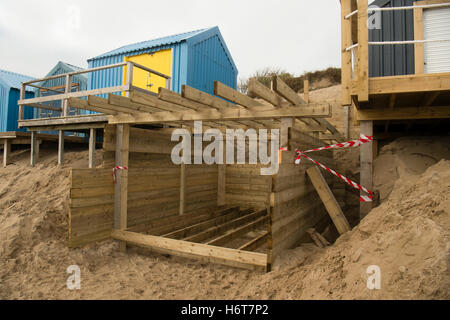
{"x": 407, "y": 236}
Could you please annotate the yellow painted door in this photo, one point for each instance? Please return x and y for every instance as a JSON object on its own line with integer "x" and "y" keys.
{"x": 159, "y": 61}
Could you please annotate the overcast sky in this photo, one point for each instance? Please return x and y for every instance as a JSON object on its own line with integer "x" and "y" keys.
{"x": 294, "y": 35}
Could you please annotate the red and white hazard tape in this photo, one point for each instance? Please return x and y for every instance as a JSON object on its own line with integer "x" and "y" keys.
{"x": 349, "y": 144}
{"x": 116, "y": 168}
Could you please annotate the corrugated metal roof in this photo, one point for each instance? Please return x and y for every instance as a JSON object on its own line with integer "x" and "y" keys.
{"x": 151, "y": 43}
{"x": 64, "y": 67}
{"x": 12, "y": 79}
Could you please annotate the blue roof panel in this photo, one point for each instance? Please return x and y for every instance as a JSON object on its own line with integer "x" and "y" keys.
{"x": 12, "y": 79}
{"x": 151, "y": 44}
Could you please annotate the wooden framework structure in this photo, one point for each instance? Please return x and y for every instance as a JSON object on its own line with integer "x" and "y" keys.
{"x": 228, "y": 214}
{"x": 383, "y": 103}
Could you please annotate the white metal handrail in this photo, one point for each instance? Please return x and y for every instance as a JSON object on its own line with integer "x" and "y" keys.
{"x": 422, "y": 6}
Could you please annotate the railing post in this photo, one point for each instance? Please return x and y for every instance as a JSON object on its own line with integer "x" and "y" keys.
{"x": 168, "y": 83}
{"x": 129, "y": 77}
{"x": 363, "y": 52}
{"x": 346, "y": 56}
{"x": 22, "y": 97}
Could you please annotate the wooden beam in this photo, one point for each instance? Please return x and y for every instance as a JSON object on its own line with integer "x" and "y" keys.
{"x": 125, "y": 102}
{"x": 220, "y": 229}
{"x": 312, "y": 110}
{"x": 225, "y": 256}
{"x": 404, "y": 113}
{"x": 182, "y": 188}
{"x": 121, "y": 186}
{"x": 256, "y": 88}
{"x": 63, "y": 121}
{"x": 392, "y": 99}
{"x": 222, "y": 90}
{"x": 92, "y": 142}
{"x": 363, "y": 52}
{"x": 256, "y": 242}
{"x": 221, "y": 184}
{"x": 151, "y": 100}
{"x": 280, "y": 87}
{"x": 239, "y": 232}
{"x": 407, "y": 83}
{"x": 328, "y": 199}
{"x": 366, "y": 166}
{"x": 346, "y": 56}
{"x": 176, "y": 98}
{"x": 205, "y": 98}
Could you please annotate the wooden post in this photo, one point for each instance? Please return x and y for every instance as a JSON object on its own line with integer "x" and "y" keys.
{"x": 92, "y": 142}
{"x": 129, "y": 78}
{"x": 346, "y": 56}
{"x": 121, "y": 187}
{"x": 418, "y": 47}
{"x": 366, "y": 166}
{"x": 6, "y": 152}
{"x": 34, "y": 149}
{"x": 286, "y": 123}
{"x": 328, "y": 199}
{"x": 60, "y": 147}
{"x": 363, "y": 52}
{"x": 306, "y": 90}
{"x": 221, "y": 185}
{"x": 22, "y": 97}
{"x": 347, "y": 122}
{"x": 182, "y": 187}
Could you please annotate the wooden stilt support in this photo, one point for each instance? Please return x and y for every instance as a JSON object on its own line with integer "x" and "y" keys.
{"x": 366, "y": 166}
{"x": 60, "y": 147}
{"x": 6, "y": 152}
{"x": 221, "y": 184}
{"x": 328, "y": 199}
{"x": 92, "y": 140}
{"x": 34, "y": 149}
{"x": 121, "y": 187}
{"x": 182, "y": 188}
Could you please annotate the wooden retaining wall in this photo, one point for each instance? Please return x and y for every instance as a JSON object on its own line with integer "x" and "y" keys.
{"x": 153, "y": 187}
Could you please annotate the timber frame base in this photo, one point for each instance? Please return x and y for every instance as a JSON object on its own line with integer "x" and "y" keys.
{"x": 218, "y": 237}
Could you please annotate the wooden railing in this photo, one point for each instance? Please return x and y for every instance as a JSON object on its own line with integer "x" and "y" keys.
{"x": 37, "y": 102}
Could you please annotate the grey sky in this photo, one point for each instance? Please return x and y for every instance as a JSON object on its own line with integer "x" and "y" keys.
{"x": 295, "y": 35}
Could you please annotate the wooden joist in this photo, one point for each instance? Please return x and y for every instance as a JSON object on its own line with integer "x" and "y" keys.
{"x": 224, "y": 216}
{"x": 312, "y": 110}
{"x": 247, "y": 216}
{"x": 234, "y": 96}
{"x": 286, "y": 92}
{"x": 84, "y": 104}
{"x": 255, "y": 243}
{"x": 225, "y": 256}
{"x": 256, "y": 88}
{"x": 238, "y": 232}
{"x": 205, "y": 98}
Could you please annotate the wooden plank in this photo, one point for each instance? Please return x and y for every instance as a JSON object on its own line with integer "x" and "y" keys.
{"x": 312, "y": 110}
{"x": 220, "y": 218}
{"x": 255, "y": 243}
{"x": 226, "y": 256}
{"x": 92, "y": 143}
{"x": 63, "y": 120}
{"x": 366, "y": 166}
{"x": 239, "y": 232}
{"x": 346, "y": 56}
{"x": 418, "y": 35}
{"x": 280, "y": 87}
{"x": 176, "y": 98}
{"x": 327, "y": 197}
{"x": 84, "y": 104}
{"x": 256, "y": 88}
{"x": 125, "y": 102}
{"x": 217, "y": 230}
{"x": 363, "y": 52}
{"x": 404, "y": 113}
